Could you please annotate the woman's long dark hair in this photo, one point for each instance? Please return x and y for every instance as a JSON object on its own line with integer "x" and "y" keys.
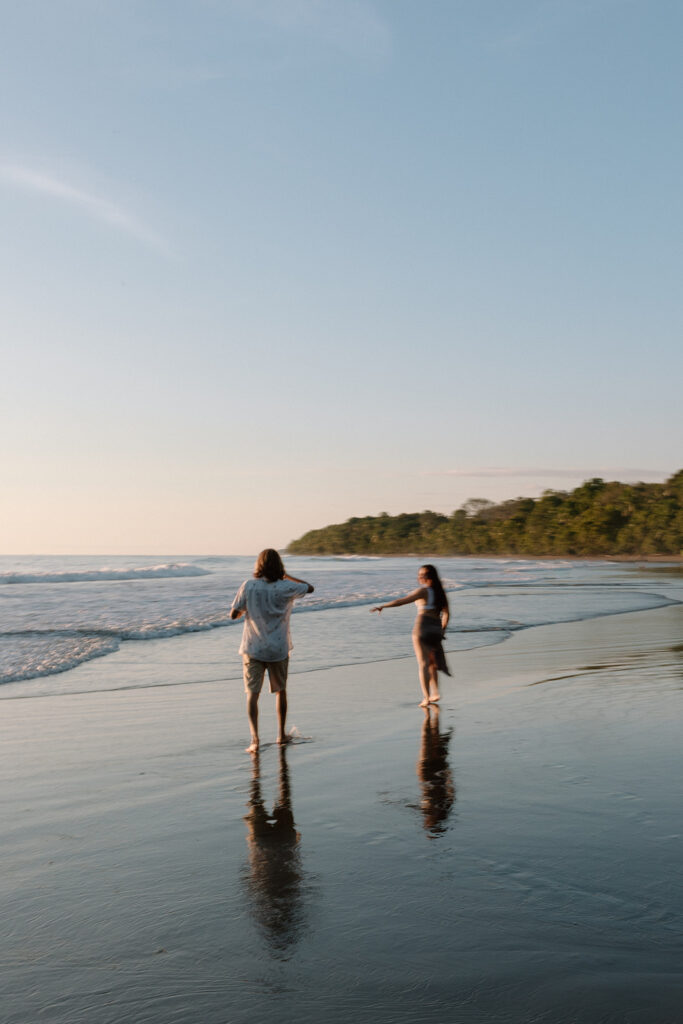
{"x": 440, "y": 599}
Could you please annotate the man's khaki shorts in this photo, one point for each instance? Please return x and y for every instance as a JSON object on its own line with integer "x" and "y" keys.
{"x": 255, "y": 670}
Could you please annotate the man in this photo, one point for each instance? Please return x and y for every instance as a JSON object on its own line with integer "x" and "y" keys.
{"x": 266, "y": 603}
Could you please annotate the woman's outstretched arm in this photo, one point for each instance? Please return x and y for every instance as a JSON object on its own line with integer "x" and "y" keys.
{"x": 421, "y": 592}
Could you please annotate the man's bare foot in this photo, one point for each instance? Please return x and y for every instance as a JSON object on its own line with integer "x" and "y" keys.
{"x": 282, "y": 741}
{"x": 252, "y": 748}
{"x": 435, "y": 699}
{"x": 424, "y": 703}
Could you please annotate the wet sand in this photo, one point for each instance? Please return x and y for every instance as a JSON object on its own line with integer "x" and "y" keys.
{"x": 513, "y": 857}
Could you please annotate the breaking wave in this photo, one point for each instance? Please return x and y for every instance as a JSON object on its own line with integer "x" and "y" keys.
{"x": 146, "y": 572}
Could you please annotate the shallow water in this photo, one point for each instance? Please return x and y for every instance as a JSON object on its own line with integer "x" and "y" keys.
{"x": 57, "y": 613}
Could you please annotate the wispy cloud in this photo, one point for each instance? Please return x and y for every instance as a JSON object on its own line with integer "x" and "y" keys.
{"x": 97, "y": 207}
{"x": 608, "y": 472}
{"x": 352, "y": 26}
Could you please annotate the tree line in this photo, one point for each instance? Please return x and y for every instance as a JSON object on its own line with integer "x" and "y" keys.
{"x": 596, "y": 519}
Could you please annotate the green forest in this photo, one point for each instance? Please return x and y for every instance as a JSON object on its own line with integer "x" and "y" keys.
{"x": 599, "y": 518}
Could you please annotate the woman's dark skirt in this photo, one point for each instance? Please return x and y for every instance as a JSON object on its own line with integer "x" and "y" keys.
{"x": 429, "y": 632}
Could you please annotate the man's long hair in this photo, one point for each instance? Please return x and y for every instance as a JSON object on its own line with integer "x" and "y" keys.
{"x": 440, "y": 599}
{"x": 269, "y": 566}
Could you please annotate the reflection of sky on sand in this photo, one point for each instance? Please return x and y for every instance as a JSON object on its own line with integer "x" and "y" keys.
{"x": 275, "y": 873}
{"x": 644, "y": 672}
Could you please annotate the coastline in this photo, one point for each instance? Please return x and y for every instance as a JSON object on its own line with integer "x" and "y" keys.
{"x": 516, "y": 860}
{"x": 514, "y": 556}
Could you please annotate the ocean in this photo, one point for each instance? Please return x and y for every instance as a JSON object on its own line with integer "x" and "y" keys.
{"x": 60, "y": 612}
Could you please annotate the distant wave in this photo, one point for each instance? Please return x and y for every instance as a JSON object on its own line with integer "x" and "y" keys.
{"x": 146, "y": 572}
{"x": 344, "y": 558}
{"x": 520, "y": 565}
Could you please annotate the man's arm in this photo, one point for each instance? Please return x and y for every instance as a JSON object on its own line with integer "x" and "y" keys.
{"x": 239, "y": 605}
{"x": 310, "y": 586}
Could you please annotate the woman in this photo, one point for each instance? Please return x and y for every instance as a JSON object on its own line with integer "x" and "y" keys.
{"x": 428, "y": 632}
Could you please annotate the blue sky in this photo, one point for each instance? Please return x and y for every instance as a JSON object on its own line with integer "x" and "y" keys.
{"x": 268, "y": 264}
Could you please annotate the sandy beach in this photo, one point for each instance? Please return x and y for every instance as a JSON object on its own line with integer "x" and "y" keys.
{"x": 514, "y": 857}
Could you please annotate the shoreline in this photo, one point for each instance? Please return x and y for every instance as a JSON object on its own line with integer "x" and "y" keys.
{"x": 30, "y": 662}
{"x": 345, "y": 554}
{"x": 129, "y": 647}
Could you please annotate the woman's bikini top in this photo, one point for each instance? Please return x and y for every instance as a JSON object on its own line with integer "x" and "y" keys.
{"x": 430, "y": 604}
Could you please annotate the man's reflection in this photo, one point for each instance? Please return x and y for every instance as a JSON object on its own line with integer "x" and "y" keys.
{"x": 275, "y": 875}
{"x": 434, "y": 773}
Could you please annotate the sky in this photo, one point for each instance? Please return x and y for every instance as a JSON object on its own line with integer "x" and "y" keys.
{"x": 270, "y": 264}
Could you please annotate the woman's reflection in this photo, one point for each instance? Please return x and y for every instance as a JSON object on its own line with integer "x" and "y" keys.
{"x": 275, "y": 874}
{"x": 434, "y": 773}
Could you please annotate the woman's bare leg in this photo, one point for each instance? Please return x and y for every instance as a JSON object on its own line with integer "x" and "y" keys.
{"x": 434, "y": 694}
{"x": 423, "y": 669}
